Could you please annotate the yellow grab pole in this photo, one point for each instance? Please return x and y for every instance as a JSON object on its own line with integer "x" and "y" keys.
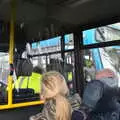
{"x": 17, "y": 105}
{"x": 11, "y": 51}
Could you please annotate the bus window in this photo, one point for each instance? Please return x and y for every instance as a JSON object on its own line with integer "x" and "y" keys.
{"x": 69, "y": 42}
{"x": 101, "y": 58}
{"x": 102, "y": 34}
{"x": 4, "y": 73}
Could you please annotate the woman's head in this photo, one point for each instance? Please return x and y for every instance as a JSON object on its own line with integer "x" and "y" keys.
{"x": 53, "y": 85}
{"x": 55, "y": 88}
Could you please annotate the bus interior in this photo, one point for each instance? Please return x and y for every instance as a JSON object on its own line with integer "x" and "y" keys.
{"x": 74, "y": 37}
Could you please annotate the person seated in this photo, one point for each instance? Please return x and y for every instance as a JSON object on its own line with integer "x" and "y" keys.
{"x": 95, "y": 94}
{"x": 55, "y": 94}
{"x": 108, "y": 107}
{"x": 100, "y": 102}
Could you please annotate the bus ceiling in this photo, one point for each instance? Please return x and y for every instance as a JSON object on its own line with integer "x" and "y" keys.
{"x": 43, "y": 19}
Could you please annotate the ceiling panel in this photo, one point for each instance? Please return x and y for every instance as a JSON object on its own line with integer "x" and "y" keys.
{"x": 65, "y": 15}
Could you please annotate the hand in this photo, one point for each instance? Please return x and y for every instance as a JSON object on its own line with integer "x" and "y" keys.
{"x": 104, "y": 73}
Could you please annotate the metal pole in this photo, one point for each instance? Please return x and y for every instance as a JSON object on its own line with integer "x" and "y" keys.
{"x": 78, "y": 54}
{"x": 62, "y": 47}
{"x": 63, "y": 55}
{"x": 11, "y": 52}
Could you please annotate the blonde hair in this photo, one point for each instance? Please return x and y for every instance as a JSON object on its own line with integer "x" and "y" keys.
{"x": 55, "y": 87}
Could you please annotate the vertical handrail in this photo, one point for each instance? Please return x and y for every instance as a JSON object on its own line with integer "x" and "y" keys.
{"x": 11, "y": 51}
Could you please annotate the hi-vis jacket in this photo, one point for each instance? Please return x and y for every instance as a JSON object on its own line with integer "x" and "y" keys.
{"x": 34, "y": 81}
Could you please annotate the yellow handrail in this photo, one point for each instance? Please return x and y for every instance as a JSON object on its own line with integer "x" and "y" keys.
{"x": 11, "y": 50}
{"x": 17, "y": 105}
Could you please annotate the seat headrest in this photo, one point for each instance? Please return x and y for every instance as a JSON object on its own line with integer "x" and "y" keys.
{"x": 93, "y": 93}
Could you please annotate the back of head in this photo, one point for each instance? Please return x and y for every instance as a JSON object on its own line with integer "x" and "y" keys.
{"x": 38, "y": 69}
{"x": 54, "y": 84}
{"x": 55, "y": 87}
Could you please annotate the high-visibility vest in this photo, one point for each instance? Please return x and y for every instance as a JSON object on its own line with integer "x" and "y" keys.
{"x": 70, "y": 77}
{"x": 34, "y": 81}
